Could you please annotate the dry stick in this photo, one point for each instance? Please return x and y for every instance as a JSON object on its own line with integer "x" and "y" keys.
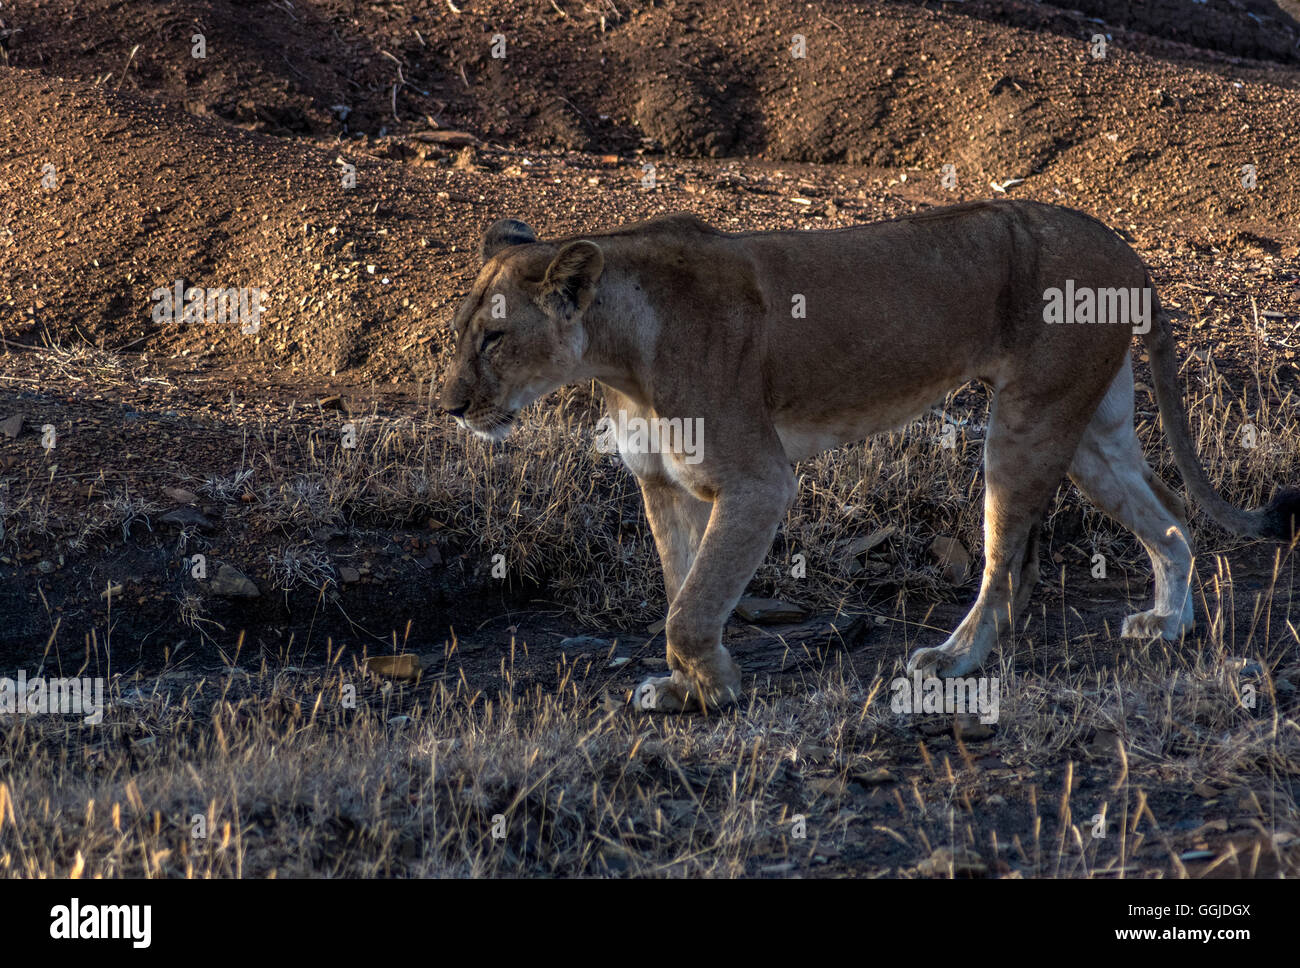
{"x": 401, "y": 80}
{"x": 127, "y": 68}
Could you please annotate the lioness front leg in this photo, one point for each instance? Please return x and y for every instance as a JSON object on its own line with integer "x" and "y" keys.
{"x": 739, "y": 533}
{"x": 678, "y": 520}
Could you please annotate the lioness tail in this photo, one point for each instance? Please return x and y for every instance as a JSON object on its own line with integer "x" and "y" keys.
{"x": 1279, "y": 519}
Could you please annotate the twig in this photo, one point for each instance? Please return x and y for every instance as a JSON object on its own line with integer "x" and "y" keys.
{"x": 401, "y": 81}
{"x": 127, "y": 68}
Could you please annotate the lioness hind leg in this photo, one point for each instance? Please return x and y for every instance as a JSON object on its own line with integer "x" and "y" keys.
{"x": 1111, "y": 472}
{"x": 1024, "y": 460}
{"x": 1028, "y": 569}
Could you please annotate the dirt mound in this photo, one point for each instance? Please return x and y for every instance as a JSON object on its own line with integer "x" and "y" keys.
{"x": 149, "y": 191}
{"x": 852, "y": 82}
{"x": 1261, "y": 29}
{"x": 1181, "y": 29}
{"x": 137, "y": 198}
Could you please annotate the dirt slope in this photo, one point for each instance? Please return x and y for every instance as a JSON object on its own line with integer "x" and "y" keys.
{"x": 156, "y": 182}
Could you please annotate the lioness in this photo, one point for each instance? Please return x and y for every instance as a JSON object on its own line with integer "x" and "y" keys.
{"x": 788, "y": 343}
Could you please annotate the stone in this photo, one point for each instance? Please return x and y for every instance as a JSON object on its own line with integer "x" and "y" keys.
{"x": 188, "y": 517}
{"x": 584, "y": 643}
{"x": 953, "y": 559}
{"x": 406, "y": 667}
{"x": 230, "y": 582}
{"x": 11, "y": 427}
{"x": 770, "y": 611}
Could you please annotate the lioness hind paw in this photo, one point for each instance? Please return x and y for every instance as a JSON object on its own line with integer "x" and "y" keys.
{"x": 1154, "y": 625}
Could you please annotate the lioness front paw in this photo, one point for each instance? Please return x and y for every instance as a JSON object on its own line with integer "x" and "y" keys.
{"x": 943, "y": 662}
{"x": 677, "y": 693}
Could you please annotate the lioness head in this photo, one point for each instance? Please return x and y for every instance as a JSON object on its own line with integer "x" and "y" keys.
{"x": 519, "y": 332}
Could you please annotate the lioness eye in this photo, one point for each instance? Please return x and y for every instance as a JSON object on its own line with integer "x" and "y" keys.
{"x": 490, "y": 339}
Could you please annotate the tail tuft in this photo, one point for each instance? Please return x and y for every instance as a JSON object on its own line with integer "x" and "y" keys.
{"x": 1282, "y": 516}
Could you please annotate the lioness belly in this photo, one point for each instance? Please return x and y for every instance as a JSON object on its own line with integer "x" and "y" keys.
{"x": 803, "y": 436}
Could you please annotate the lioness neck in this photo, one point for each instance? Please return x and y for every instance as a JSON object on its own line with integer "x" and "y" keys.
{"x": 621, "y": 333}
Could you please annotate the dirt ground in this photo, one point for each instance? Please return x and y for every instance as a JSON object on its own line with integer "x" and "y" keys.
{"x": 344, "y": 157}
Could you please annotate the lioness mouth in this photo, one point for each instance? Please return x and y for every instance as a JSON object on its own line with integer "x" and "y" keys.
{"x": 497, "y": 429}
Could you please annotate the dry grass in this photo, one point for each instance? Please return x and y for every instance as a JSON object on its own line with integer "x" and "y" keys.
{"x": 280, "y": 773}
{"x": 288, "y": 779}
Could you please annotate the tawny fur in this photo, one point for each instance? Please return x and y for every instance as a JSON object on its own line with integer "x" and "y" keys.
{"x": 678, "y": 320}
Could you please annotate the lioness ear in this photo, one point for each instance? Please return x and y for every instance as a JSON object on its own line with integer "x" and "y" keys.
{"x": 574, "y": 271}
{"x": 503, "y": 234}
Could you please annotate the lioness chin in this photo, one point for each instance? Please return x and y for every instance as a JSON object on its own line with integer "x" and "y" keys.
{"x": 784, "y": 344}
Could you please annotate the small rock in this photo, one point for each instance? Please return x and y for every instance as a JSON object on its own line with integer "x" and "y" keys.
{"x": 945, "y": 862}
{"x": 446, "y": 136}
{"x": 406, "y": 666}
{"x": 873, "y": 777}
{"x": 1245, "y": 668}
{"x": 584, "y": 643}
{"x": 348, "y": 575}
{"x": 11, "y": 427}
{"x": 654, "y": 628}
{"x": 828, "y": 786}
{"x": 769, "y": 611}
{"x": 188, "y": 517}
{"x": 45, "y": 566}
{"x": 1103, "y": 743}
{"x": 860, "y": 546}
{"x": 969, "y": 728}
{"x": 853, "y": 567}
{"x": 816, "y": 754}
{"x": 952, "y": 557}
{"x": 180, "y": 495}
{"x": 232, "y": 583}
